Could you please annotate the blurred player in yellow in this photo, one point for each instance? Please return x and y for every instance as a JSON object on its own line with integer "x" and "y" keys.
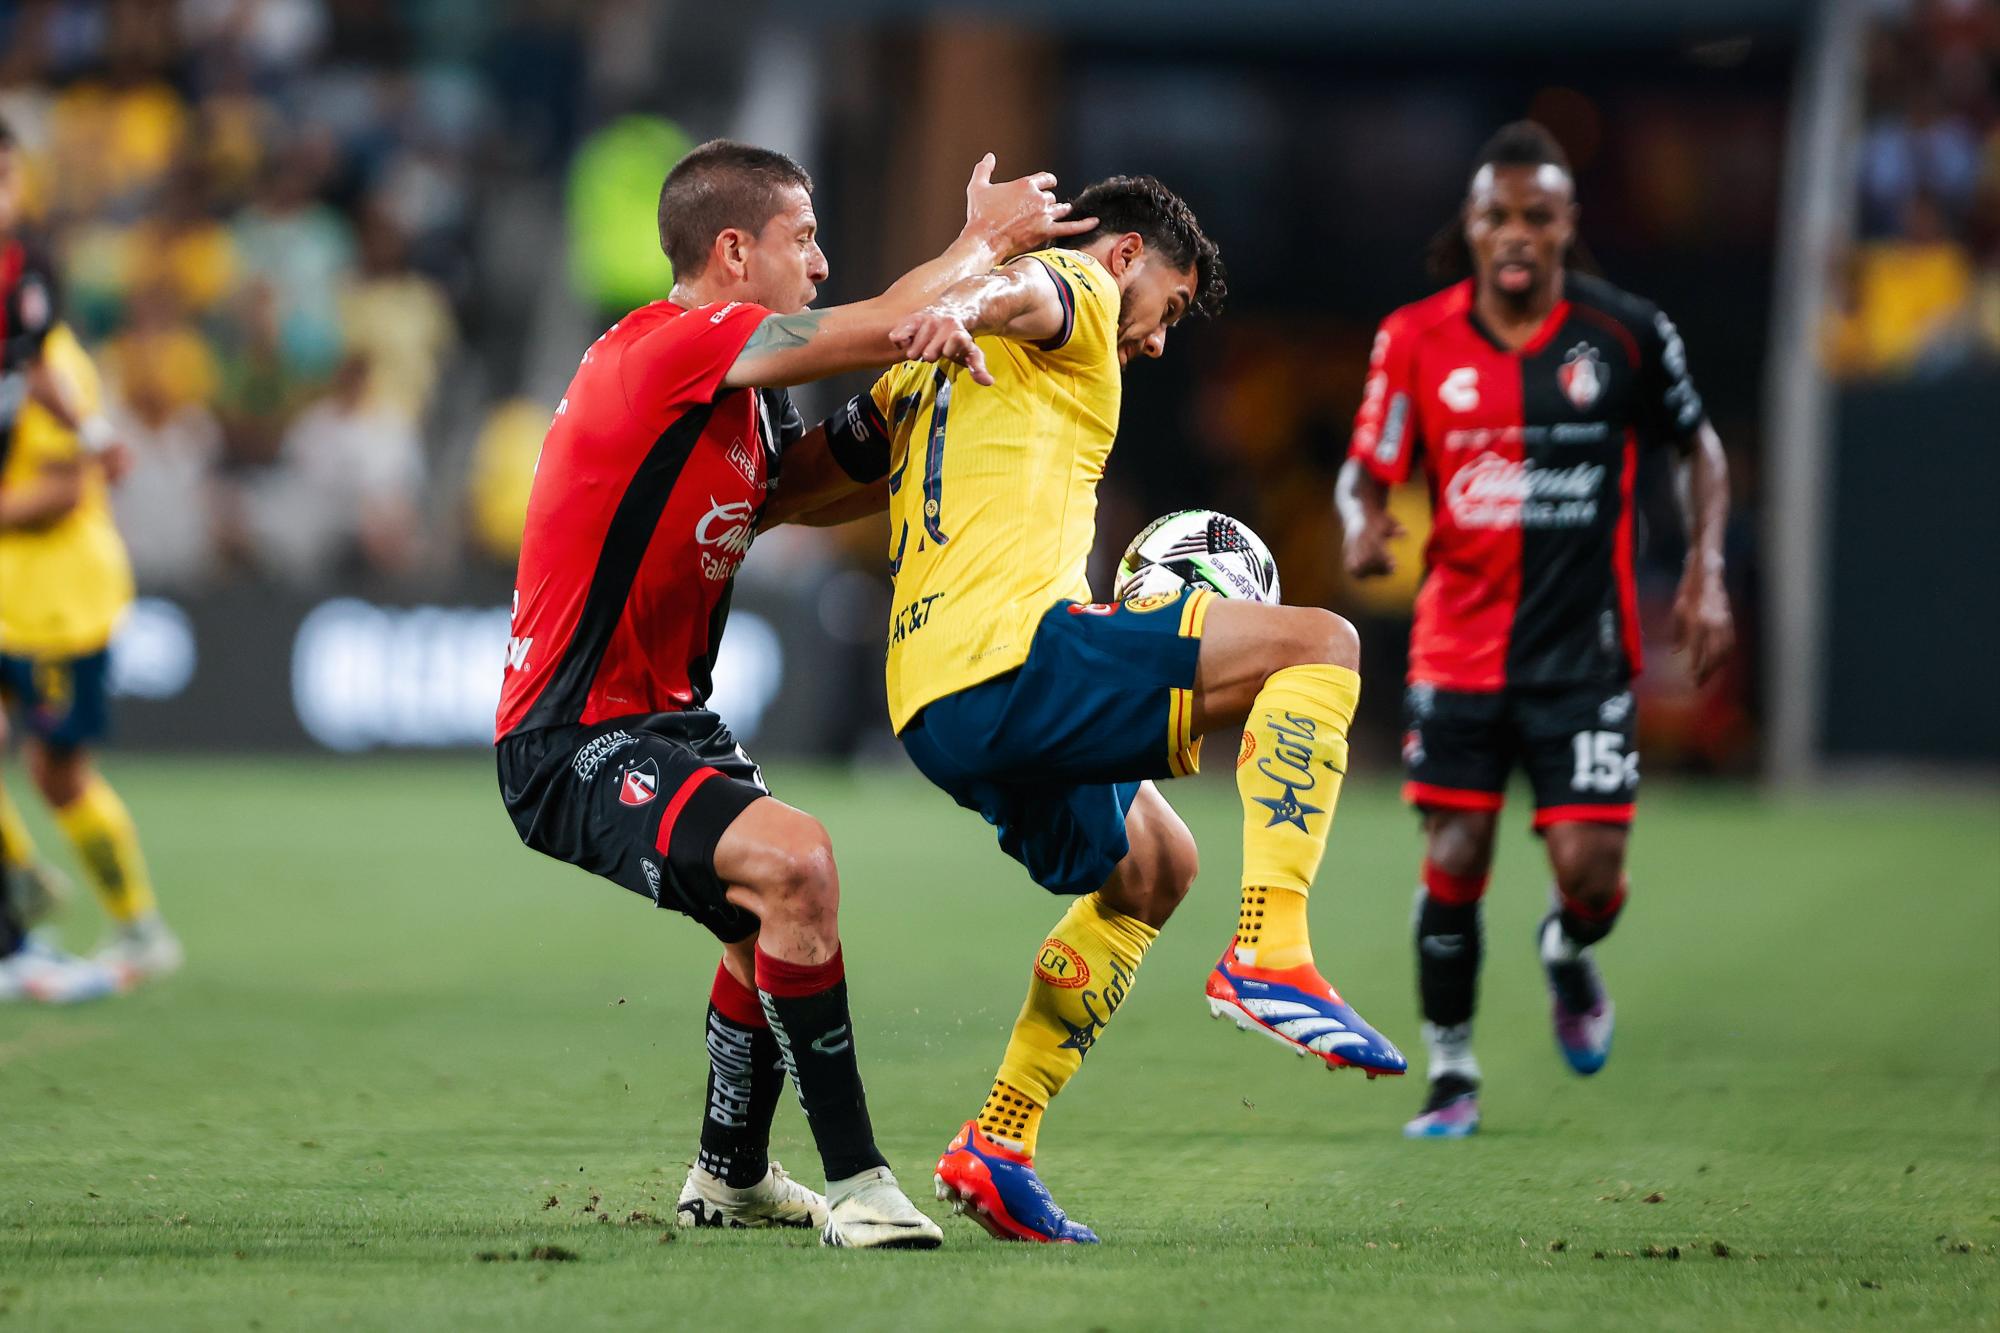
{"x": 1050, "y": 715}
{"x": 67, "y": 581}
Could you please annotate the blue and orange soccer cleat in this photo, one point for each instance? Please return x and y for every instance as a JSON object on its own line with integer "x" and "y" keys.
{"x": 997, "y": 1188}
{"x": 1297, "y": 1006}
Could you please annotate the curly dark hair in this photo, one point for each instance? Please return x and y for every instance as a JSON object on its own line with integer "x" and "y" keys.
{"x": 720, "y": 185}
{"x": 1140, "y": 203}
{"x": 1519, "y": 143}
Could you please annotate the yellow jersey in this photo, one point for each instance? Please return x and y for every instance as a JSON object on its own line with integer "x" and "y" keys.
{"x": 993, "y": 491}
{"x": 62, "y": 587}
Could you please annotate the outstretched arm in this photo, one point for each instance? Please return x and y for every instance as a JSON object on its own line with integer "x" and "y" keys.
{"x": 1366, "y": 524}
{"x": 1703, "y": 623}
{"x": 1019, "y": 302}
{"x": 1001, "y": 220}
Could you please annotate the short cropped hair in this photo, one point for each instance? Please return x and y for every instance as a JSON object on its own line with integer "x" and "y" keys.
{"x": 1518, "y": 143}
{"x": 720, "y": 185}
{"x": 1521, "y": 143}
{"x": 1163, "y": 219}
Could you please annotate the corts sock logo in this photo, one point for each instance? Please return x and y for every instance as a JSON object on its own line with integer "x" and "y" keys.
{"x": 1291, "y": 753}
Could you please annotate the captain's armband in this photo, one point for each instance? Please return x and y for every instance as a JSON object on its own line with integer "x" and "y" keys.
{"x": 858, "y": 439}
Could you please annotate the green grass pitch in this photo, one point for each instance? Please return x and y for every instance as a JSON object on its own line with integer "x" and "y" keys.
{"x": 407, "y": 1055}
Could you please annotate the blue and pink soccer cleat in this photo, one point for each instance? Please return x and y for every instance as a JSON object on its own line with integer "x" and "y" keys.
{"x": 1580, "y": 1007}
{"x": 1450, "y": 1112}
{"x": 997, "y": 1188}
{"x": 1297, "y": 1006}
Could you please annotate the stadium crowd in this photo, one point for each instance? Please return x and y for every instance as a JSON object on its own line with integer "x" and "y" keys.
{"x": 265, "y": 215}
{"x": 1919, "y": 291}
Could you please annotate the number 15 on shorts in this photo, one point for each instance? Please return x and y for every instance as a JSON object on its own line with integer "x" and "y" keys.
{"x": 1602, "y": 763}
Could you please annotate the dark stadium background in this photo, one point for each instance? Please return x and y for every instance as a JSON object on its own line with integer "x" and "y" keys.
{"x": 1743, "y": 163}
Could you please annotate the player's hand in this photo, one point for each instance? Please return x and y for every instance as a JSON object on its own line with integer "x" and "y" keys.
{"x": 1367, "y": 548}
{"x": 1018, "y": 216}
{"x": 116, "y": 460}
{"x": 938, "y": 333}
{"x": 1704, "y": 628}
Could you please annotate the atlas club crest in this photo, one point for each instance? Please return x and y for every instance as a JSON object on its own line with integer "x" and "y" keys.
{"x": 639, "y": 783}
{"x": 1582, "y": 376}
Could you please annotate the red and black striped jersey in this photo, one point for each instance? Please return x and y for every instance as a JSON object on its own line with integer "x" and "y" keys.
{"x": 646, "y": 497}
{"x": 27, "y": 313}
{"x": 1530, "y": 456}
{"x": 27, "y": 304}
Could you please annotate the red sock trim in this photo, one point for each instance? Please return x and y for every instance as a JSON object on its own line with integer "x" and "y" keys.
{"x": 1596, "y": 914}
{"x": 1453, "y": 890}
{"x": 793, "y": 981}
{"x": 735, "y": 1001}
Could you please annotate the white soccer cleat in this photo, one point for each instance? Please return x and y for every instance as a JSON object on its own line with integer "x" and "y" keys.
{"x": 871, "y": 1212}
{"x": 775, "y": 1201}
{"x": 143, "y": 950}
{"x": 39, "y": 973}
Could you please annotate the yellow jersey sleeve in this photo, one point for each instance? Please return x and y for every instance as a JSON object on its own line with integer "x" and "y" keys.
{"x": 1090, "y": 308}
{"x": 39, "y": 439}
{"x": 66, "y": 583}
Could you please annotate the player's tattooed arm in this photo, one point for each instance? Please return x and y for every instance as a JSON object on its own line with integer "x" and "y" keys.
{"x": 1020, "y": 302}
{"x": 1703, "y": 624}
{"x": 1002, "y": 218}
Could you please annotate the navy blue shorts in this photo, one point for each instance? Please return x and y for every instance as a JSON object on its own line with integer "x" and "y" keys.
{"x": 1053, "y": 752}
{"x": 63, "y": 701}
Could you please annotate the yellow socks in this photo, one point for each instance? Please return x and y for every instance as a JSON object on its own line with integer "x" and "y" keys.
{"x": 107, "y": 845}
{"x": 1012, "y": 1117}
{"x": 1083, "y": 972}
{"x": 1288, "y": 774}
{"x": 17, "y": 845}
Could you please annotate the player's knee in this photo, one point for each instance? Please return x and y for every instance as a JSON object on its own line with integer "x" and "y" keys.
{"x": 1461, "y": 844}
{"x": 1319, "y": 636}
{"x": 796, "y": 877}
{"x": 1157, "y": 873}
{"x": 60, "y": 775}
{"x": 1591, "y": 876}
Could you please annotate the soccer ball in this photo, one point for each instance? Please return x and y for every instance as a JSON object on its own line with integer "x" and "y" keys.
{"x": 1198, "y": 548}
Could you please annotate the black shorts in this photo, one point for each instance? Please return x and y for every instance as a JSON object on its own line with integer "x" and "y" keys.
{"x": 641, "y": 801}
{"x": 1575, "y": 741}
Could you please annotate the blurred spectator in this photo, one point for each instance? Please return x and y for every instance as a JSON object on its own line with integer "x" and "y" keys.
{"x": 397, "y": 318}
{"x": 165, "y": 507}
{"x": 503, "y": 469}
{"x": 1921, "y": 289}
{"x": 345, "y": 490}
{"x": 303, "y": 251}
{"x": 1907, "y": 299}
{"x": 161, "y": 356}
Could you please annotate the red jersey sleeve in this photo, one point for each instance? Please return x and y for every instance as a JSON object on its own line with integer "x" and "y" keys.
{"x": 682, "y": 362}
{"x": 1385, "y": 429}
